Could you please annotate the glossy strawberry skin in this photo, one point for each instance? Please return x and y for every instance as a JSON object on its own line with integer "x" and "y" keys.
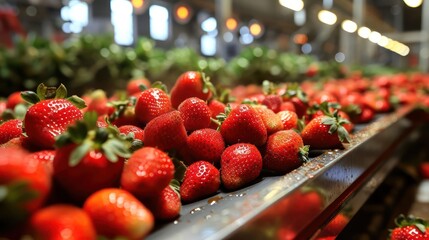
{"x": 189, "y": 84}
{"x": 316, "y": 134}
{"x": 93, "y": 163}
{"x": 147, "y": 172}
{"x": 206, "y": 144}
{"x": 195, "y": 114}
{"x": 273, "y": 102}
{"x": 201, "y": 180}
{"x": 46, "y": 157}
{"x": 61, "y": 220}
{"x": 127, "y": 129}
{"x": 164, "y": 206}
{"x": 13, "y": 100}
{"x": 152, "y": 103}
{"x": 241, "y": 164}
{"x": 300, "y": 106}
{"x": 166, "y": 132}
{"x": 272, "y": 122}
{"x": 289, "y": 119}
{"x": 282, "y": 151}
{"x": 49, "y": 118}
{"x": 244, "y": 125}
{"x": 16, "y": 167}
{"x": 10, "y": 129}
{"x": 408, "y": 233}
{"x": 133, "y": 86}
{"x": 117, "y": 213}
{"x": 216, "y": 107}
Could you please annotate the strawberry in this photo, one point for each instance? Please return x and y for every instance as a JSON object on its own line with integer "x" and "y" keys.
{"x": 206, "y": 144}
{"x": 147, "y": 172}
{"x": 166, "y": 132}
{"x": 334, "y": 227}
{"x": 10, "y": 129}
{"x": 195, "y": 113}
{"x": 424, "y": 170}
{"x": 201, "y": 180}
{"x": 243, "y": 124}
{"x": 216, "y": 107}
{"x": 117, "y": 213}
{"x": 13, "y": 100}
{"x": 284, "y": 152}
{"x": 324, "y": 132}
{"x": 191, "y": 84}
{"x": 137, "y": 133}
{"x": 298, "y": 98}
{"x": 124, "y": 113}
{"x": 62, "y": 221}
{"x": 164, "y": 206}
{"x": 49, "y": 117}
{"x": 289, "y": 119}
{"x": 46, "y": 157}
{"x": 287, "y": 106}
{"x": 240, "y": 164}
{"x": 99, "y": 103}
{"x": 2, "y": 108}
{"x": 84, "y": 151}
{"x": 137, "y": 85}
{"x": 152, "y": 103}
{"x": 272, "y": 122}
{"x": 273, "y": 102}
{"x": 409, "y": 228}
{"x": 25, "y": 184}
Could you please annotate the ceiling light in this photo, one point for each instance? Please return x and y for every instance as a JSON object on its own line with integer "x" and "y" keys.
{"x": 295, "y": 5}
{"x": 327, "y": 17}
{"x": 364, "y": 32}
{"x": 374, "y": 36}
{"x": 413, "y": 3}
{"x": 349, "y": 26}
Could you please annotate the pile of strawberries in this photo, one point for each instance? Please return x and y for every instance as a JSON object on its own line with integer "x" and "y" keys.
{"x": 99, "y": 166}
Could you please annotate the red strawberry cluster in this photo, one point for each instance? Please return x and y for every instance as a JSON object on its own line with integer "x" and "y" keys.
{"x": 111, "y": 166}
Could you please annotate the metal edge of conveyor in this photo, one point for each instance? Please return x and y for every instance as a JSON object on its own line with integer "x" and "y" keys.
{"x": 243, "y": 213}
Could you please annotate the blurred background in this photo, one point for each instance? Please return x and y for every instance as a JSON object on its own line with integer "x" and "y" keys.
{"x": 102, "y": 44}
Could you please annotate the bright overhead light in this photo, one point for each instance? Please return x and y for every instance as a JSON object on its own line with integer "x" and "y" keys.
{"x": 374, "y": 36}
{"x": 364, "y": 32}
{"x": 349, "y": 26}
{"x": 413, "y": 3}
{"x": 384, "y": 41}
{"x": 327, "y": 17}
{"x": 404, "y": 51}
{"x": 295, "y": 5}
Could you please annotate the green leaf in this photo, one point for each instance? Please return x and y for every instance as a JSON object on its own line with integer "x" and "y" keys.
{"x": 108, "y": 152}
{"x": 421, "y": 227}
{"x": 30, "y": 97}
{"x": 78, "y": 153}
{"x": 159, "y": 85}
{"x": 41, "y": 91}
{"x": 343, "y": 135}
{"x": 62, "y": 140}
{"x": 333, "y": 128}
{"x": 303, "y": 153}
{"x": 175, "y": 185}
{"x": 77, "y": 101}
{"x": 77, "y": 132}
{"x": 180, "y": 169}
{"x": 329, "y": 121}
{"x": 120, "y": 148}
{"x": 61, "y": 92}
{"x": 90, "y": 119}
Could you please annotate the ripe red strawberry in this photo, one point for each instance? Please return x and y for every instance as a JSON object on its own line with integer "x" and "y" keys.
{"x": 25, "y": 183}
{"x": 409, "y": 228}
{"x": 49, "y": 117}
{"x": 195, "y": 114}
{"x": 13, "y": 100}
{"x": 288, "y": 105}
{"x": 166, "y": 132}
{"x": 424, "y": 170}
{"x": 152, "y": 103}
{"x": 273, "y": 102}
{"x": 137, "y": 85}
{"x": 117, "y": 213}
{"x": 334, "y": 227}
{"x": 240, "y": 164}
{"x": 243, "y": 124}
{"x": 46, "y": 157}
{"x": 190, "y": 84}
{"x": 285, "y": 151}
{"x": 137, "y": 132}
{"x": 147, "y": 172}
{"x": 298, "y": 98}
{"x": 216, "y": 107}
{"x": 99, "y": 103}
{"x": 201, "y": 180}
{"x": 164, "y": 206}
{"x": 206, "y": 144}
{"x": 324, "y": 132}
{"x": 289, "y": 119}
{"x": 10, "y": 129}
{"x": 2, "y": 108}
{"x": 272, "y": 121}
{"x": 86, "y": 150}
{"x": 124, "y": 113}
{"x": 62, "y": 221}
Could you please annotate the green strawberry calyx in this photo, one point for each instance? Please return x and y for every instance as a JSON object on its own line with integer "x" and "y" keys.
{"x": 303, "y": 153}
{"x": 294, "y": 90}
{"x": 268, "y": 87}
{"x": 222, "y": 116}
{"x": 336, "y": 126}
{"x": 207, "y": 84}
{"x": 43, "y": 92}
{"x": 403, "y": 221}
{"x": 88, "y": 136}
{"x": 122, "y": 108}
{"x": 159, "y": 85}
